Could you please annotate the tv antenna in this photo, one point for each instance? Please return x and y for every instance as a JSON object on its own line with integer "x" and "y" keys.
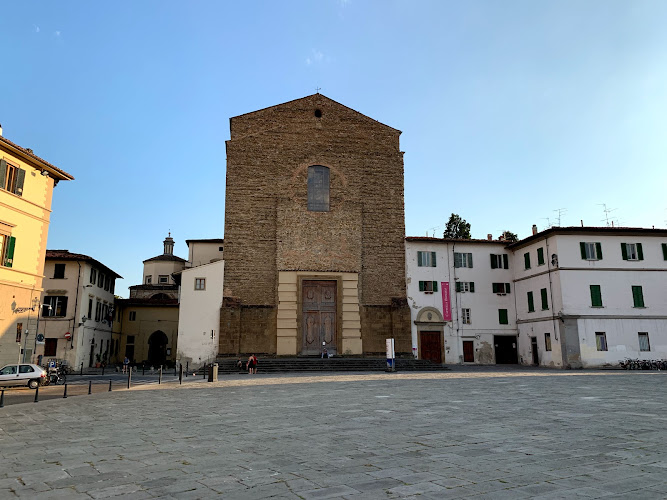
{"x": 607, "y": 211}
{"x": 548, "y": 221}
{"x": 433, "y": 229}
{"x": 560, "y": 212}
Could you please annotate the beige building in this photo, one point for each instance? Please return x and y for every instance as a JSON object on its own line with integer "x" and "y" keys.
{"x": 146, "y": 329}
{"x": 77, "y": 310}
{"x": 26, "y": 188}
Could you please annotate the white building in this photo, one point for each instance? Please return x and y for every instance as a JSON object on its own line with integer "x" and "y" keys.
{"x": 565, "y": 297}
{"x": 591, "y": 296}
{"x": 462, "y": 300}
{"x": 200, "y": 301}
{"x": 77, "y": 302}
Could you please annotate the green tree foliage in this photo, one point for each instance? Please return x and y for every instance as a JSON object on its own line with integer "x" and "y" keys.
{"x": 510, "y": 236}
{"x": 457, "y": 228}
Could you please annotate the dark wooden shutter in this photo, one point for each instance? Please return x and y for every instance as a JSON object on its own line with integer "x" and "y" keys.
{"x": 598, "y": 250}
{"x": 472, "y": 287}
{"x": 421, "y": 286}
{"x": 506, "y": 263}
{"x": 664, "y": 251}
{"x": 624, "y": 251}
{"x": 502, "y": 316}
{"x": 531, "y": 302}
{"x": 458, "y": 286}
{"x": 3, "y": 173}
{"x": 433, "y": 259}
{"x": 540, "y": 256}
{"x": 545, "y": 301}
{"x": 9, "y": 252}
{"x": 640, "y": 252}
{"x": 19, "y": 182}
{"x": 494, "y": 287}
{"x": 469, "y": 260}
{"x": 637, "y": 296}
{"x": 582, "y": 247}
{"x": 457, "y": 259}
{"x": 493, "y": 261}
{"x": 526, "y": 260}
{"x": 507, "y": 288}
{"x": 435, "y": 286}
{"x": 419, "y": 259}
{"x": 596, "y": 296}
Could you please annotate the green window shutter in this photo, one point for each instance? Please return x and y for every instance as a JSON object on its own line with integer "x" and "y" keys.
{"x": 531, "y": 302}
{"x": 582, "y": 247}
{"x": 507, "y": 288}
{"x": 469, "y": 260}
{"x": 624, "y": 251}
{"x": 596, "y": 296}
{"x": 526, "y": 260}
{"x": 9, "y": 253}
{"x": 457, "y": 259}
{"x": 435, "y": 286}
{"x": 433, "y": 259}
{"x": 493, "y": 261}
{"x": 19, "y": 182}
{"x": 638, "y": 296}
{"x": 540, "y": 256}
{"x": 506, "y": 263}
{"x": 458, "y": 286}
{"x": 419, "y": 259}
{"x": 494, "y": 287}
{"x": 502, "y": 316}
{"x": 640, "y": 252}
{"x": 421, "y": 286}
{"x": 472, "y": 287}
{"x": 664, "y": 251}
{"x": 3, "y": 173}
{"x": 545, "y": 302}
{"x": 598, "y": 250}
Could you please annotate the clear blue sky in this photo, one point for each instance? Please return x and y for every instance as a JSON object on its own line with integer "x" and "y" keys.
{"x": 509, "y": 110}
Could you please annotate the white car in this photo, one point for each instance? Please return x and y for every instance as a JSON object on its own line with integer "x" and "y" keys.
{"x": 26, "y": 374}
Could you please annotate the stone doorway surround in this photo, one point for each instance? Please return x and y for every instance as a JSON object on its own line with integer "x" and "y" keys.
{"x": 289, "y": 317}
{"x": 430, "y": 319}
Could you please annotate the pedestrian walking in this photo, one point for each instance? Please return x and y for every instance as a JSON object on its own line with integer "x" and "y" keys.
{"x": 126, "y": 363}
{"x": 252, "y": 364}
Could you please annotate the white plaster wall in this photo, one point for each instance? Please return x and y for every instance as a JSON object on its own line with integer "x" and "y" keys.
{"x": 199, "y": 314}
{"x": 622, "y": 340}
{"x": 155, "y": 268}
{"x": 483, "y": 303}
{"x": 203, "y": 252}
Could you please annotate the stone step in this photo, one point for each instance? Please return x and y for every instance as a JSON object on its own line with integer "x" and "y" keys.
{"x": 343, "y": 364}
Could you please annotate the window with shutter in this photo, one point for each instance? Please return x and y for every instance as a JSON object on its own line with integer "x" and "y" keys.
{"x": 502, "y": 316}
{"x": 425, "y": 259}
{"x": 7, "y": 250}
{"x": 506, "y": 261}
{"x": 664, "y": 251}
{"x": 457, "y": 259}
{"x": 596, "y": 296}
{"x": 545, "y": 302}
{"x": 591, "y": 250}
{"x": 531, "y": 302}
{"x": 526, "y": 260}
{"x": 540, "y": 256}
{"x": 637, "y": 296}
{"x": 11, "y": 178}
{"x": 547, "y": 341}
{"x": 472, "y": 287}
{"x": 494, "y": 261}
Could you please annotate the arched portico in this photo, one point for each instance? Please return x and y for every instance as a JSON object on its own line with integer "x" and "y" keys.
{"x": 157, "y": 348}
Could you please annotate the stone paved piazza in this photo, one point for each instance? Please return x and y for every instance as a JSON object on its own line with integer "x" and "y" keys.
{"x": 465, "y": 434}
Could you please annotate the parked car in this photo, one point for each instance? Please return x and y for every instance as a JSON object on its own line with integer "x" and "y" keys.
{"x": 27, "y": 374}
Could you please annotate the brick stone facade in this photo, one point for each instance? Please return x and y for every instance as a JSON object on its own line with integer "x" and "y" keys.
{"x": 268, "y": 228}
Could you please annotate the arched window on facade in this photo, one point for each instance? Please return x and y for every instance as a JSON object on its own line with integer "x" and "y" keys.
{"x": 318, "y": 188}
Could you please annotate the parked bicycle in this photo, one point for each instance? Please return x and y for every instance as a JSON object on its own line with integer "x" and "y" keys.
{"x": 57, "y": 375}
{"x": 643, "y": 364}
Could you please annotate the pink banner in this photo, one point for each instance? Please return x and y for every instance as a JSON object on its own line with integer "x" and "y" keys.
{"x": 446, "y": 304}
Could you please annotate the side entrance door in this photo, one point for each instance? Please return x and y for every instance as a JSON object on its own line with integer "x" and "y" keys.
{"x": 505, "y": 347}
{"x": 431, "y": 346}
{"x": 533, "y": 347}
{"x": 318, "y": 309}
{"x": 468, "y": 351}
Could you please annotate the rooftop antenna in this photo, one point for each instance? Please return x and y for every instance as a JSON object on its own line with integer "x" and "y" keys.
{"x": 548, "y": 221}
{"x": 607, "y": 211}
{"x": 433, "y": 229}
{"x": 560, "y": 212}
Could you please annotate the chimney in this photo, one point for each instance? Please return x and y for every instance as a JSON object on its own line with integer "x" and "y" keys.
{"x": 582, "y": 222}
{"x": 0, "y": 130}
{"x": 534, "y": 228}
{"x": 489, "y": 237}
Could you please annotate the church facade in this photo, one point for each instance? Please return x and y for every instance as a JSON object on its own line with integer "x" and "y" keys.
{"x": 314, "y": 233}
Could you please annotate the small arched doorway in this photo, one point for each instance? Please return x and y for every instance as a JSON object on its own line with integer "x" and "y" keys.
{"x": 157, "y": 348}
{"x": 430, "y": 326}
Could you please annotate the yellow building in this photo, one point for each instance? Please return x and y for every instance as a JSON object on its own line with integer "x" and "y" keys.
{"x": 26, "y": 188}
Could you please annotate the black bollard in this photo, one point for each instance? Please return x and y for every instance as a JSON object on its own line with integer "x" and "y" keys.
{"x": 129, "y": 378}
{"x": 90, "y": 387}
{"x": 37, "y": 394}
{"x": 109, "y": 385}
{"x": 81, "y": 371}
{"x": 204, "y": 371}
{"x": 159, "y": 376}
{"x": 2, "y": 399}
{"x": 174, "y": 369}
{"x": 180, "y": 374}
{"x": 143, "y": 369}
{"x": 103, "y": 365}
{"x": 65, "y": 393}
